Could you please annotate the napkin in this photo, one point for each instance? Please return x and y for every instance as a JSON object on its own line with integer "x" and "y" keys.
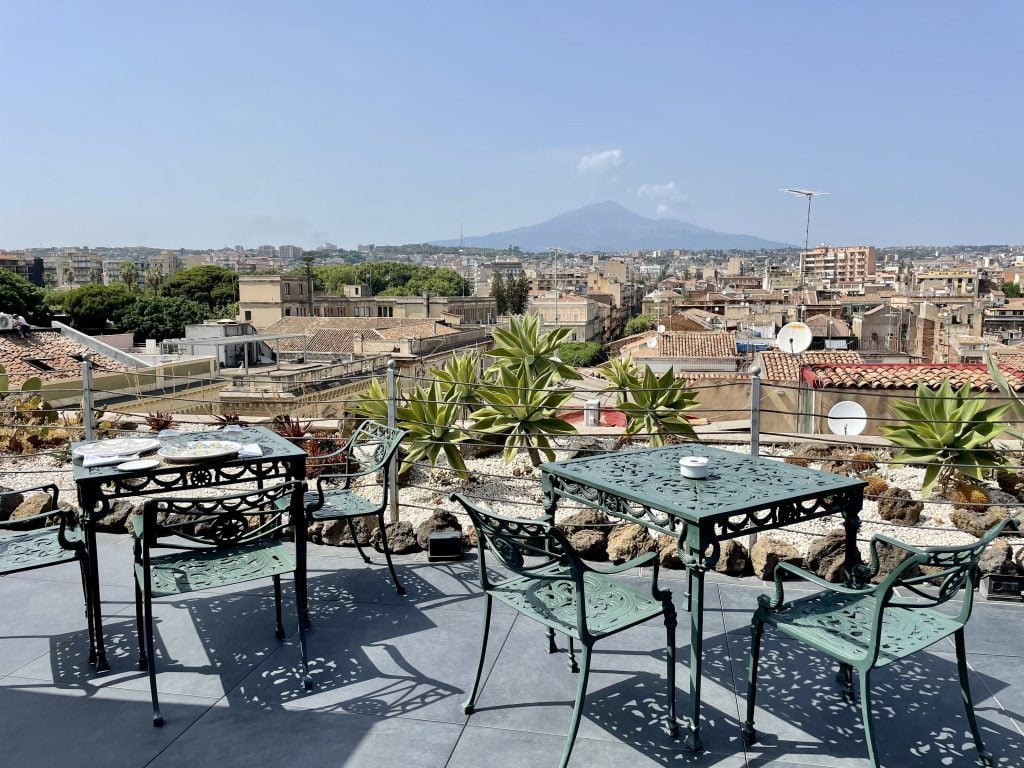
{"x": 102, "y": 461}
{"x": 250, "y": 451}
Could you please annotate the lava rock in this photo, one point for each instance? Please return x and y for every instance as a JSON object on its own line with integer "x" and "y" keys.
{"x": 997, "y": 560}
{"x": 768, "y": 552}
{"x": 827, "y": 556}
{"x": 587, "y": 532}
{"x": 35, "y": 504}
{"x": 588, "y": 445}
{"x": 401, "y": 538}
{"x": 628, "y": 541}
{"x": 733, "y": 559}
{"x": 9, "y": 503}
{"x": 890, "y": 558}
{"x": 898, "y": 507}
{"x": 439, "y": 520}
{"x": 977, "y": 522}
{"x": 668, "y": 552}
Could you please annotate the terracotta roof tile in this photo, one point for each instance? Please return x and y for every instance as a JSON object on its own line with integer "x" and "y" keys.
{"x": 53, "y": 350}
{"x": 701, "y": 344}
{"x": 906, "y": 376}
{"x": 783, "y": 366}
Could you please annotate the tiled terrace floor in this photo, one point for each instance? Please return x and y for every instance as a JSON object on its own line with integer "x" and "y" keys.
{"x": 392, "y": 671}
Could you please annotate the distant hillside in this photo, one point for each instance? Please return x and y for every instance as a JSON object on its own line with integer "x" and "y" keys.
{"x": 608, "y": 226}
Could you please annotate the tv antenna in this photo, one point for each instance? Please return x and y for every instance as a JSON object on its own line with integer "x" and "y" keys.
{"x": 808, "y": 193}
{"x": 847, "y": 418}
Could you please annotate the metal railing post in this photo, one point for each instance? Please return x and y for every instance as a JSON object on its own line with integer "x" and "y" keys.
{"x": 755, "y": 410}
{"x": 87, "y": 405}
{"x": 392, "y": 390}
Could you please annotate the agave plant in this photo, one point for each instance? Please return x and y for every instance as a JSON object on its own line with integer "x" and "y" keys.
{"x": 621, "y": 375}
{"x": 523, "y": 348}
{"x": 373, "y": 404}
{"x": 523, "y": 410}
{"x": 1016, "y": 403}
{"x": 430, "y": 419}
{"x": 948, "y": 431}
{"x": 654, "y": 406}
{"x": 459, "y": 378}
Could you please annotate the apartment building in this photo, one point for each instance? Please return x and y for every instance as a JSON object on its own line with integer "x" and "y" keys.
{"x": 838, "y": 264}
{"x": 23, "y": 265}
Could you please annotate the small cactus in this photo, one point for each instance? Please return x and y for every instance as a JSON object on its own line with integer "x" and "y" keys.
{"x": 876, "y": 485}
{"x": 969, "y": 496}
{"x": 862, "y": 461}
{"x": 797, "y": 461}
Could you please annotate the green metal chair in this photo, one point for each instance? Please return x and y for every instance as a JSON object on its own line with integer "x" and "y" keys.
{"x": 216, "y": 542}
{"x": 866, "y": 628}
{"x": 368, "y": 451}
{"x": 25, "y": 547}
{"x": 553, "y": 586}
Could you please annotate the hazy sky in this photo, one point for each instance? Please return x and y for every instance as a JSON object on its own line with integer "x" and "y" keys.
{"x": 210, "y": 123}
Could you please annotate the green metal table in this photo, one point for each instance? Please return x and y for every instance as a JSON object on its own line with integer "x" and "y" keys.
{"x": 99, "y": 487}
{"x": 742, "y": 495}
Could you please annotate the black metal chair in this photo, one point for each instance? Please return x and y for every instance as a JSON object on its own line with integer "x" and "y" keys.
{"x": 870, "y": 627}
{"x": 216, "y": 542}
{"x": 550, "y": 584}
{"x": 29, "y": 543}
{"x": 367, "y": 452}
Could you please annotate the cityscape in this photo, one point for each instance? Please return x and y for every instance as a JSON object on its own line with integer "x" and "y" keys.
{"x": 460, "y": 385}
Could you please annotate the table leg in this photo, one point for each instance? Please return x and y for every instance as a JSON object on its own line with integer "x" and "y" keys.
{"x": 98, "y": 653}
{"x": 851, "y": 525}
{"x": 695, "y": 606}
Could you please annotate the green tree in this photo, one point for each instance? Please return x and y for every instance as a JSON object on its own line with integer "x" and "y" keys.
{"x": 19, "y": 297}
{"x": 154, "y": 278}
{"x": 580, "y": 354}
{"x": 499, "y": 294}
{"x": 519, "y": 294}
{"x": 209, "y": 284}
{"x": 1012, "y": 290}
{"x": 90, "y": 306}
{"x": 129, "y": 274}
{"x": 162, "y": 317}
{"x": 638, "y": 324}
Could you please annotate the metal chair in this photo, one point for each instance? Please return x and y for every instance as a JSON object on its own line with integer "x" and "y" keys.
{"x": 368, "y": 451}
{"x": 216, "y": 542}
{"x": 25, "y": 547}
{"x": 553, "y": 586}
{"x": 866, "y": 628}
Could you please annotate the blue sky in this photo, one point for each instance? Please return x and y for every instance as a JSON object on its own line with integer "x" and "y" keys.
{"x": 204, "y": 124}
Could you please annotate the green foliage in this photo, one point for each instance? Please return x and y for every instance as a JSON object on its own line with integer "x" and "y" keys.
{"x": 524, "y": 349}
{"x": 373, "y": 404}
{"x": 387, "y": 278}
{"x": 654, "y": 405}
{"x": 522, "y": 408}
{"x": 499, "y": 293}
{"x": 511, "y": 293}
{"x": 638, "y": 324}
{"x": 162, "y": 317}
{"x": 580, "y": 353}
{"x": 154, "y": 278}
{"x": 430, "y": 419}
{"x": 129, "y": 274}
{"x": 209, "y": 284}
{"x": 1012, "y": 290}
{"x": 459, "y": 378}
{"x": 19, "y": 297}
{"x": 90, "y": 306}
{"x": 948, "y": 431}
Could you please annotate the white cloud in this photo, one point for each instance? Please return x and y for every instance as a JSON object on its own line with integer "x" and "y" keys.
{"x": 600, "y": 162}
{"x": 665, "y": 196}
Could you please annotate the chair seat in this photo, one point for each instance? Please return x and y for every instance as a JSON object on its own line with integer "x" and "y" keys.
{"x": 610, "y": 606}
{"x": 32, "y": 549}
{"x": 840, "y": 625}
{"x": 340, "y": 504}
{"x": 192, "y": 571}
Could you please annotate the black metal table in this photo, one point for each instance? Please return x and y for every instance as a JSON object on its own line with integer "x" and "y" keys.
{"x": 98, "y": 487}
{"x": 742, "y": 495}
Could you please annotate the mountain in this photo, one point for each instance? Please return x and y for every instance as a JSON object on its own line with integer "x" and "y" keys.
{"x": 608, "y": 226}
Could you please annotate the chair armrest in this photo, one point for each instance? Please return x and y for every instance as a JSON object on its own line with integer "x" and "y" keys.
{"x": 778, "y": 602}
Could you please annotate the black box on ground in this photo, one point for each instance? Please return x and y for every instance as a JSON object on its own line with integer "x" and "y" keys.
{"x": 999, "y": 587}
{"x": 444, "y": 545}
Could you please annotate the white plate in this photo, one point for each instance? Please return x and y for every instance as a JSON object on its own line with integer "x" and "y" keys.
{"x": 118, "y": 446}
{"x": 138, "y": 464}
{"x": 199, "y": 450}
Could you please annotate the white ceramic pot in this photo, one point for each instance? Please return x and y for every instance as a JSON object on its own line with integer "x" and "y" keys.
{"x": 693, "y": 467}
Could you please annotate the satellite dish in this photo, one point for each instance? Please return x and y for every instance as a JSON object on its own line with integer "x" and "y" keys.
{"x": 794, "y": 338}
{"x": 652, "y": 342}
{"x": 661, "y": 329}
{"x": 847, "y": 418}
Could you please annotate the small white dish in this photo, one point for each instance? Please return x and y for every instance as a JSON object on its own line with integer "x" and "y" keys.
{"x": 694, "y": 467}
{"x": 119, "y": 446}
{"x": 199, "y": 450}
{"x": 138, "y": 465}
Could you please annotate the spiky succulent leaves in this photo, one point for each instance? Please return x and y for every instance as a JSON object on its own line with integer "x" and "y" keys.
{"x": 431, "y": 419}
{"x": 1016, "y": 403}
{"x": 523, "y": 410}
{"x": 459, "y": 377}
{"x": 621, "y": 375}
{"x": 373, "y": 404}
{"x": 948, "y": 431}
{"x": 522, "y": 347}
{"x": 656, "y": 405}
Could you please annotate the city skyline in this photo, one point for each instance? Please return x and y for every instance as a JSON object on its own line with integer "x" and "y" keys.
{"x": 198, "y": 126}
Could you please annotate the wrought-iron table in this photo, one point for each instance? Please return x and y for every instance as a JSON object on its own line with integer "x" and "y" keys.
{"x": 741, "y": 495}
{"x": 99, "y": 486}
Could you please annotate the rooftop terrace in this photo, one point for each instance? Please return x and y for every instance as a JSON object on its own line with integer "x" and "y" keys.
{"x": 391, "y": 673}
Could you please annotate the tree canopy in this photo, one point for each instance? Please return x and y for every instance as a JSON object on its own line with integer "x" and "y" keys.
{"x": 389, "y": 278}
{"x": 90, "y": 306}
{"x": 1012, "y": 290}
{"x": 19, "y": 297}
{"x": 162, "y": 317}
{"x": 209, "y": 284}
